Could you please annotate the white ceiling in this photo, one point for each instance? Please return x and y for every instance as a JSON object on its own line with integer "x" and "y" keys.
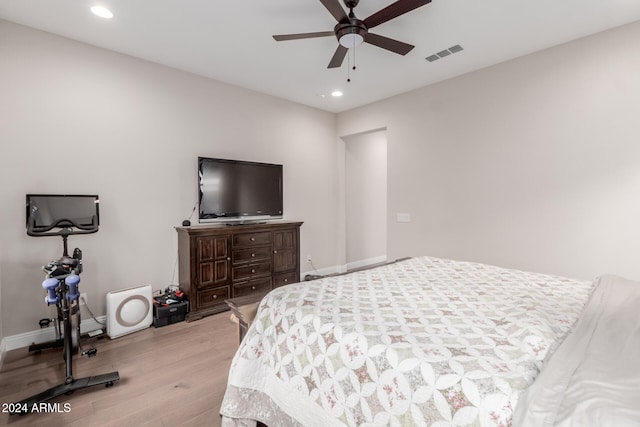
{"x": 231, "y": 40}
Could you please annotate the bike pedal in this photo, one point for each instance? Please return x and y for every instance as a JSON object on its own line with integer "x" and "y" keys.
{"x": 91, "y": 352}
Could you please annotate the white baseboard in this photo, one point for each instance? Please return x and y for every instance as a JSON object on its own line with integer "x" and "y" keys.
{"x": 45, "y": 334}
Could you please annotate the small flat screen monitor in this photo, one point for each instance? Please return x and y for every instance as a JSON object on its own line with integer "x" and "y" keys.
{"x": 48, "y": 211}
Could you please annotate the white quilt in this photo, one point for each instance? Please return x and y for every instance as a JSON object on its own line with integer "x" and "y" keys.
{"x": 420, "y": 342}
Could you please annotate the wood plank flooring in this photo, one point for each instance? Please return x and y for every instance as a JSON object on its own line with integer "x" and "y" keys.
{"x": 170, "y": 376}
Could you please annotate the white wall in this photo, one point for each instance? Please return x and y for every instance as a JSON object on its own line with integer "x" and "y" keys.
{"x": 366, "y": 198}
{"x": 79, "y": 119}
{"x": 531, "y": 164}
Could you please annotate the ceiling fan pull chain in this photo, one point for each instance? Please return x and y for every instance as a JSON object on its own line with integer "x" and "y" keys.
{"x": 348, "y": 67}
{"x": 354, "y": 55}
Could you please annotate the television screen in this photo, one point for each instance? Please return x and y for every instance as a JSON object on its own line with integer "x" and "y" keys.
{"x": 238, "y": 190}
{"x": 48, "y": 211}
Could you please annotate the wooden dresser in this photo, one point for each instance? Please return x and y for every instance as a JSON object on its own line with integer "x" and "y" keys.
{"x": 218, "y": 262}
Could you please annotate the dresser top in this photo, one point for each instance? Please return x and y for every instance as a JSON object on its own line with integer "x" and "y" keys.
{"x": 239, "y": 227}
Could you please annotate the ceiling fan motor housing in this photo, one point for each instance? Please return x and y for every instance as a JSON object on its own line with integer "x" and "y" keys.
{"x": 350, "y": 29}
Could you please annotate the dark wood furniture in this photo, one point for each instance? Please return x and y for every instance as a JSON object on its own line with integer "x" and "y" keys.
{"x": 219, "y": 262}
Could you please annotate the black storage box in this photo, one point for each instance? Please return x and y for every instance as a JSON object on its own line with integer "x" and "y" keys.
{"x": 164, "y": 315}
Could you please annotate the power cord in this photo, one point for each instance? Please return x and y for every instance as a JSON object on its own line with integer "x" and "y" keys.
{"x": 90, "y": 312}
{"x": 193, "y": 210}
{"x": 175, "y": 266}
{"x": 314, "y": 267}
{"x": 309, "y": 277}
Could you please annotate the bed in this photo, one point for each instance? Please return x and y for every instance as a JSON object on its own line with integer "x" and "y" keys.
{"x": 425, "y": 341}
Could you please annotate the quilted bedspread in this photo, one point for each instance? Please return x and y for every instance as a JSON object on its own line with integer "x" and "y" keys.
{"x": 425, "y": 341}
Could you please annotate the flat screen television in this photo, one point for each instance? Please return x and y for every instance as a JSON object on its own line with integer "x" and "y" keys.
{"x": 235, "y": 191}
{"x": 45, "y": 212}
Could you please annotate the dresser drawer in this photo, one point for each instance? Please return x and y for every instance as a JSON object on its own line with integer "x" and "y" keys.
{"x": 251, "y": 239}
{"x": 212, "y": 297}
{"x": 258, "y": 286}
{"x": 250, "y": 271}
{"x": 285, "y": 279}
{"x": 259, "y": 253}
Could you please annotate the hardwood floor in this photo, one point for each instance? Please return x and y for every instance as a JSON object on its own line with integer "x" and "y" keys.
{"x": 170, "y": 376}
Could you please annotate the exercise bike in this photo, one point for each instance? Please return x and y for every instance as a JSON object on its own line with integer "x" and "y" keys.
{"x": 62, "y": 290}
{"x": 64, "y": 266}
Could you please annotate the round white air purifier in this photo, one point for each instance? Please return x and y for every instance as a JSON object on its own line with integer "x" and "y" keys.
{"x": 129, "y": 310}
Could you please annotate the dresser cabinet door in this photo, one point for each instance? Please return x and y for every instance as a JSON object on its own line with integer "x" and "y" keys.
{"x": 285, "y": 251}
{"x": 213, "y": 260}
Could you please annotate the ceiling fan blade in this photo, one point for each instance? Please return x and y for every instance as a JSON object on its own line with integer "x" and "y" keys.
{"x": 333, "y": 6}
{"x": 283, "y": 37}
{"x": 396, "y": 46}
{"x": 394, "y": 10}
{"x": 338, "y": 57}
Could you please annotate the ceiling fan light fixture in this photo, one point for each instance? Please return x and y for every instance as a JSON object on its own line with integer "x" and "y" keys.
{"x": 350, "y": 34}
{"x": 350, "y": 40}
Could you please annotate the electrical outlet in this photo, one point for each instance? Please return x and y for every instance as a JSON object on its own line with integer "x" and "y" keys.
{"x": 83, "y": 298}
{"x": 309, "y": 259}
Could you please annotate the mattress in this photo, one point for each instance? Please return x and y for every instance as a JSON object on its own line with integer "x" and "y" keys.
{"x": 425, "y": 341}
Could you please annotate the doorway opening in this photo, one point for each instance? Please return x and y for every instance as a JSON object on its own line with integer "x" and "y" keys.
{"x": 366, "y": 198}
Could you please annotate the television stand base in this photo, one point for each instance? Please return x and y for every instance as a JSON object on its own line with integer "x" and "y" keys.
{"x": 245, "y": 222}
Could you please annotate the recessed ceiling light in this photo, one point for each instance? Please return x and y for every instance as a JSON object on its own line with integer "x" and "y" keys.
{"x": 102, "y": 12}
{"x": 336, "y": 93}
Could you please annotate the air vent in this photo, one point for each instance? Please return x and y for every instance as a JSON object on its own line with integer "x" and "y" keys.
{"x": 453, "y": 49}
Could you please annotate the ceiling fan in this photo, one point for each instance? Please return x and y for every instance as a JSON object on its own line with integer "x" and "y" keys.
{"x": 351, "y": 31}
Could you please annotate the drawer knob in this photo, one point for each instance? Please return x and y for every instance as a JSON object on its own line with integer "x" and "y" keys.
{"x": 275, "y": 252}
{"x": 215, "y": 297}
{"x": 253, "y": 270}
{"x": 253, "y": 239}
{"x": 253, "y": 288}
{"x": 285, "y": 280}
{"x": 253, "y": 255}
{"x": 228, "y": 258}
